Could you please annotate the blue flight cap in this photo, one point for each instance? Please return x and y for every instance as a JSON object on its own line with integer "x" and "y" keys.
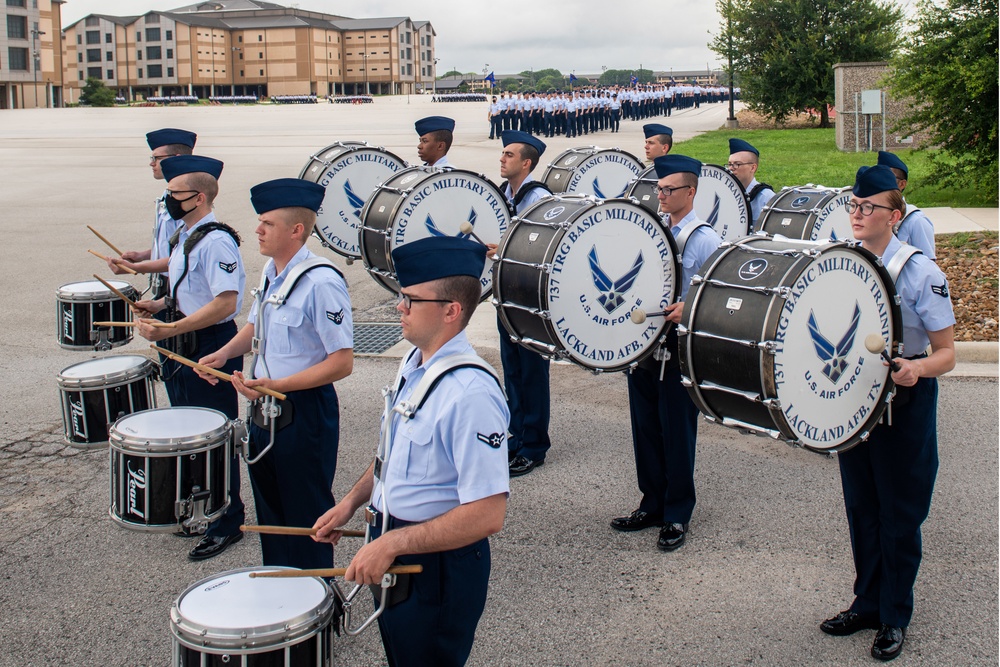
{"x": 518, "y": 137}
{"x": 433, "y": 124}
{"x": 179, "y": 165}
{"x": 287, "y": 192}
{"x": 168, "y": 136}
{"x": 887, "y": 159}
{"x": 653, "y": 129}
{"x": 740, "y": 146}
{"x": 438, "y": 257}
{"x": 873, "y": 180}
{"x": 672, "y": 164}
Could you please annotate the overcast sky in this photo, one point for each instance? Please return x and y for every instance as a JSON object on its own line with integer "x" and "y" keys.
{"x": 516, "y": 35}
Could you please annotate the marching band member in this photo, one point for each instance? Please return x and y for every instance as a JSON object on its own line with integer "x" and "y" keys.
{"x": 664, "y": 418}
{"x": 436, "y": 134}
{"x": 206, "y": 292}
{"x": 438, "y": 486}
{"x": 302, "y": 321}
{"x": 744, "y": 160}
{"x": 915, "y": 228}
{"x": 888, "y": 479}
{"x": 659, "y": 140}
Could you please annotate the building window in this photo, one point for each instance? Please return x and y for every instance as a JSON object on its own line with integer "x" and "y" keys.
{"x": 109, "y": 56}
{"x": 409, "y": 70}
{"x": 138, "y": 54}
{"x": 154, "y": 71}
{"x": 260, "y": 55}
{"x": 107, "y": 38}
{"x": 140, "y": 72}
{"x": 79, "y": 57}
{"x": 152, "y": 34}
{"x": 93, "y": 72}
{"x": 93, "y": 55}
{"x": 93, "y": 37}
{"x": 170, "y": 54}
{"x": 169, "y": 35}
{"x": 239, "y": 39}
{"x": 17, "y": 58}
{"x": 409, "y": 53}
{"x": 79, "y": 38}
{"x": 241, "y": 72}
{"x": 260, "y": 38}
{"x": 17, "y": 27}
{"x": 262, "y": 72}
{"x": 79, "y": 75}
{"x": 90, "y": 22}
{"x": 15, "y": 3}
{"x": 152, "y": 18}
{"x": 241, "y": 55}
{"x": 138, "y": 36}
{"x": 153, "y": 53}
{"x": 111, "y": 74}
{"x": 170, "y": 72}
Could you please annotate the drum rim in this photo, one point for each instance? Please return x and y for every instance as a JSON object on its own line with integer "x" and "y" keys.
{"x": 161, "y": 527}
{"x": 92, "y": 297}
{"x": 556, "y": 341}
{"x": 169, "y": 447}
{"x": 106, "y": 380}
{"x": 286, "y": 633}
{"x": 779, "y": 427}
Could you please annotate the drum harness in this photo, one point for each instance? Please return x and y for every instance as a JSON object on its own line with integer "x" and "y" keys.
{"x": 894, "y": 268}
{"x": 910, "y": 210}
{"x": 757, "y": 189}
{"x": 406, "y": 410}
{"x": 266, "y": 408}
{"x": 159, "y": 284}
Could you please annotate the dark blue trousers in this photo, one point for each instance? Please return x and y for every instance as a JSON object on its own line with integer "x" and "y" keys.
{"x": 186, "y": 389}
{"x": 292, "y": 482}
{"x": 888, "y": 482}
{"x": 664, "y": 430}
{"x": 526, "y": 381}
{"x": 436, "y": 625}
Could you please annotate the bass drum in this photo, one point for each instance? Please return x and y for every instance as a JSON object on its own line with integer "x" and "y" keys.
{"x": 350, "y": 171}
{"x": 604, "y": 173}
{"x": 235, "y": 619}
{"x": 643, "y": 191}
{"x": 722, "y": 202}
{"x": 429, "y": 201}
{"x": 571, "y": 274}
{"x": 772, "y": 340}
{"x": 810, "y": 213}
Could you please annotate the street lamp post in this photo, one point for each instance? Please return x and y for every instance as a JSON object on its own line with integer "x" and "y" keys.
{"x": 731, "y": 122}
{"x": 35, "y": 34}
{"x": 486, "y": 68}
{"x": 435, "y": 73}
{"x": 364, "y": 57}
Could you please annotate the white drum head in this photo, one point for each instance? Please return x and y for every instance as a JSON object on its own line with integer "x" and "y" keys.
{"x": 91, "y": 290}
{"x": 832, "y": 220}
{"x": 169, "y": 427}
{"x": 233, "y": 603}
{"x": 722, "y": 202}
{"x": 104, "y": 371}
{"x": 828, "y": 383}
{"x": 603, "y": 173}
{"x": 350, "y": 172}
{"x": 614, "y": 258}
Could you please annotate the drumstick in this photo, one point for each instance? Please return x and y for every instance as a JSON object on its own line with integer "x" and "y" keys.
{"x": 109, "y": 243}
{"x": 466, "y": 228}
{"x": 639, "y": 316}
{"x": 332, "y": 572}
{"x": 116, "y": 291}
{"x": 876, "y": 344}
{"x": 211, "y": 371}
{"x": 112, "y": 259}
{"x": 154, "y": 323}
{"x": 288, "y": 530}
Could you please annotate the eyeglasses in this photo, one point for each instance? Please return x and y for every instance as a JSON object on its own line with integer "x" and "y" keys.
{"x": 408, "y": 300}
{"x": 867, "y": 208}
{"x": 157, "y": 158}
{"x": 666, "y": 192}
{"x": 736, "y": 165}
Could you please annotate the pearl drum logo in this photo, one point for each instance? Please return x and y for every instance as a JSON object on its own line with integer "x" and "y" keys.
{"x": 136, "y": 486}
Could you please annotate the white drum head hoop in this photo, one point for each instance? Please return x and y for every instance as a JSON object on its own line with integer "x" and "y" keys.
{"x": 91, "y": 289}
{"x": 167, "y": 428}
{"x": 107, "y": 366}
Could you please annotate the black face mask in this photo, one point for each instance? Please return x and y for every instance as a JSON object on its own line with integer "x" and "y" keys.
{"x": 174, "y": 208}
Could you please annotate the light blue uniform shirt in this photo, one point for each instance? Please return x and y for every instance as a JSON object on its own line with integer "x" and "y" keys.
{"x": 314, "y": 323}
{"x": 443, "y": 162}
{"x": 700, "y": 245}
{"x": 214, "y": 267}
{"x": 529, "y": 199}
{"x": 454, "y": 451}
{"x": 917, "y": 230}
{"x": 924, "y": 299}
{"x": 759, "y": 202}
{"x": 164, "y": 228}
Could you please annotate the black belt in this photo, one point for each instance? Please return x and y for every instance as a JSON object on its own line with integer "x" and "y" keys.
{"x": 922, "y": 355}
{"x": 378, "y": 519}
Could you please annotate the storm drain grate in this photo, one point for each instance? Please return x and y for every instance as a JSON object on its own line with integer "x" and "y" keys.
{"x": 376, "y": 337}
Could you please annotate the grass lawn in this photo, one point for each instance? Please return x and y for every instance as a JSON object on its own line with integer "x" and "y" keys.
{"x": 798, "y": 157}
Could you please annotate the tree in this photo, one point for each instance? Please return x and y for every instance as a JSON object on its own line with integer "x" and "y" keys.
{"x": 784, "y": 50}
{"x": 452, "y": 73}
{"x": 96, "y": 94}
{"x": 949, "y": 67}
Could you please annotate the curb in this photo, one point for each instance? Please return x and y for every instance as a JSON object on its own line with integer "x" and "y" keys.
{"x": 977, "y": 352}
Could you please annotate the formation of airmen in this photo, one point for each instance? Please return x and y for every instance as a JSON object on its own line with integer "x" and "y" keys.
{"x": 350, "y": 99}
{"x": 459, "y": 97}
{"x": 294, "y": 99}
{"x": 233, "y": 99}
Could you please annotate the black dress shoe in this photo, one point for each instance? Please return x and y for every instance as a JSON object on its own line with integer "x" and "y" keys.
{"x": 847, "y": 623}
{"x": 522, "y": 465}
{"x": 637, "y": 520}
{"x": 210, "y": 546}
{"x": 888, "y": 642}
{"x": 672, "y": 536}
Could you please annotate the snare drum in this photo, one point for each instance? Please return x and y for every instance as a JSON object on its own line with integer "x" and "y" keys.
{"x": 604, "y": 173}
{"x": 429, "y": 201}
{"x": 97, "y": 392}
{"x": 170, "y": 469}
{"x": 773, "y": 340}
{"x": 722, "y": 202}
{"x": 811, "y": 213}
{"x": 571, "y": 272}
{"x": 350, "y": 171}
{"x": 233, "y": 619}
{"x": 79, "y": 305}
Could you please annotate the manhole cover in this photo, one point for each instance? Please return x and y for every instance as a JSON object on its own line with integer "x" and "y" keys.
{"x": 375, "y": 337}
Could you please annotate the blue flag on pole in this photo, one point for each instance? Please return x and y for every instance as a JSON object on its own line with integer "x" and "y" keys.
{"x": 633, "y": 80}
{"x": 491, "y": 79}
{"x": 572, "y": 77}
